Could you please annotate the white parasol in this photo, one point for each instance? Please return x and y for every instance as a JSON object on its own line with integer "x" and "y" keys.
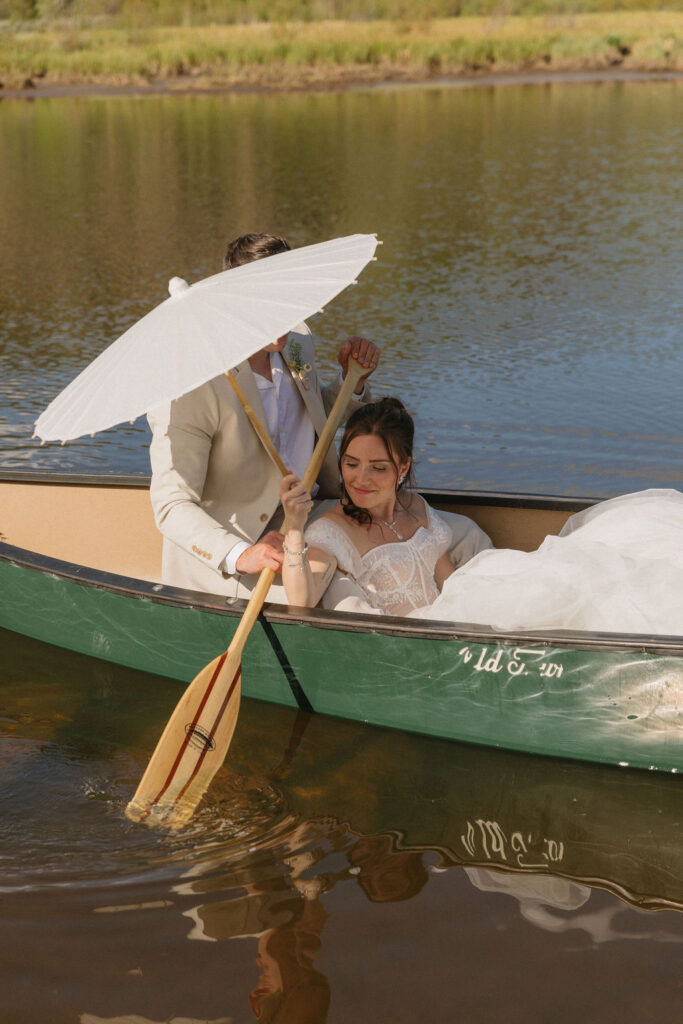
{"x": 201, "y": 331}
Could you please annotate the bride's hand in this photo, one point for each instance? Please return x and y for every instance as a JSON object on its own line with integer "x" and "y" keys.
{"x": 296, "y": 502}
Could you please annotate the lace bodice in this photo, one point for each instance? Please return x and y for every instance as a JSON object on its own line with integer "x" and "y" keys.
{"x": 396, "y": 577}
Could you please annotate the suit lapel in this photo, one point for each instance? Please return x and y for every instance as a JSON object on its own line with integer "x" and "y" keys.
{"x": 310, "y": 394}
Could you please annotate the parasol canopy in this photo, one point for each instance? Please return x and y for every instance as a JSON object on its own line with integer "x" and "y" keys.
{"x": 201, "y": 331}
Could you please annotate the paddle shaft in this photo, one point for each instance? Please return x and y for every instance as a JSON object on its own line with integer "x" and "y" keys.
{"x": 260, "y": 591}
{"x": 257, "y": 424}
{"x": 197, "y": 737}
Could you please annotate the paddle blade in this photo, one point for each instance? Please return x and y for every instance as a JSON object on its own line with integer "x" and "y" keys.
{"x": 192, "y": 747}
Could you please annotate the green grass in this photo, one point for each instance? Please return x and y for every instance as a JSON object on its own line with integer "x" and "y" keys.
{"x": 197, "y": 12}
{"x": 283, "y": 54}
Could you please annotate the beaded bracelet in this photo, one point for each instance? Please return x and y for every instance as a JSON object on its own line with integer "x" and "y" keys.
{"x": 299, "y": 554}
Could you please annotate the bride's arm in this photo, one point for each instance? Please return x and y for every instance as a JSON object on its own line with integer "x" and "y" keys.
{"x": 442, "y": 570}
{"x": 306, "y": 574}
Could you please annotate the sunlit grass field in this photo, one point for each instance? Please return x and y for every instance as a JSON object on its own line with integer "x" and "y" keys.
{"x": 282, "y": 54}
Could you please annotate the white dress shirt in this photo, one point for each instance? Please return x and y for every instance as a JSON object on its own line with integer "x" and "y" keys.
{"x": 289, "y": 423}
{"x": 290, "y": 428}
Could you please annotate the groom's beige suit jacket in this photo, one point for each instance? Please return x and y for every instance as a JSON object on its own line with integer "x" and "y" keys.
{"x": 213, "y": 482}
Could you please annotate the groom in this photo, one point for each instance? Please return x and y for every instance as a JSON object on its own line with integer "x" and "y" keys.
{"x": 214, "y": 486}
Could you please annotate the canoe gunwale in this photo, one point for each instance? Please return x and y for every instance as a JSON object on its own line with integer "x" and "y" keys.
{"x": 426, "y": 629}
{"x": 21, "y": 476}
{"x": 493, "y": 499}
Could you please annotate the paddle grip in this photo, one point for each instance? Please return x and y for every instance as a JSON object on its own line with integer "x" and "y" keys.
{"x": 353, "y": 375}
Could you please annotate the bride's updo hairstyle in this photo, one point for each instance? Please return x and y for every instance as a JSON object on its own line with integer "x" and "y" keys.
{"x": 390, "y": 420}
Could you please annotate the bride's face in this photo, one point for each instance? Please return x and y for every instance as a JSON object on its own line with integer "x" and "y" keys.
{"x": 369, "y": 473}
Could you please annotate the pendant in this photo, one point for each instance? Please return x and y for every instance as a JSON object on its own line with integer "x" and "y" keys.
{"x": 392, "y": 527}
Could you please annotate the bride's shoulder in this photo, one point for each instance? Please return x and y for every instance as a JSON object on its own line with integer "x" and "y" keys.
{"x": 334, "y": 517}
{"x": 415, "y": 504}
{"x": 338, "y": 518}
{"x": 355, "y": 533}
{"x": 429, "y": 517}
{"x": 330, "y": 532}
{"x": 334, "y": 522}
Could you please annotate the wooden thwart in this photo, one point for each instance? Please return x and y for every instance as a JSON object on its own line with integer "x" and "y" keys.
{"x": 196, "y": 739}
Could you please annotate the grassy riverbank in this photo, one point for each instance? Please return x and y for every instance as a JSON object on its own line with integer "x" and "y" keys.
{"x": 276, "y": 55}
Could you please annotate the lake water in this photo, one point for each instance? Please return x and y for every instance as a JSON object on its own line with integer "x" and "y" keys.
{"x": 527, "y": 295}
{"x": 528, "y": 301}
{"x": 335, "y": 872}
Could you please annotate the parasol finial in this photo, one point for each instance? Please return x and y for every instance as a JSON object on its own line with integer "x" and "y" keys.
{"x": 177, "y": 285}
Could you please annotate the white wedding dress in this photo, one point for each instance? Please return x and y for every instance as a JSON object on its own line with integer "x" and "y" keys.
{"x": 616, "y": 567}
{"x": 396, "y": 578}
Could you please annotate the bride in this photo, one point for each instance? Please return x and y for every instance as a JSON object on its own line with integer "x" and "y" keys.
{"x": 616, "y": 567}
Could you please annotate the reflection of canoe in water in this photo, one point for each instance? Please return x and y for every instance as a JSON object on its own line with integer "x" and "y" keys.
{"x": 78, "y": 568}
{"x": 546, "y": 831}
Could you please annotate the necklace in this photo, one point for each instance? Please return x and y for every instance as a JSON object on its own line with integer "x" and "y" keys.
{"x": 390, "y": 526}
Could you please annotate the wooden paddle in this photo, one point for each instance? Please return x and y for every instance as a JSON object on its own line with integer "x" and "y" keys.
{"x": 257, "y": 424}
{"x": 195, "y": 741}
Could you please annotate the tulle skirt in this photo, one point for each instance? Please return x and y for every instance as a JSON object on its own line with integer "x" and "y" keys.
{"x": 616, "y": 567}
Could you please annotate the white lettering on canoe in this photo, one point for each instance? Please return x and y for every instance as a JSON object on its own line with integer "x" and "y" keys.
{"x": 515, "y": 662}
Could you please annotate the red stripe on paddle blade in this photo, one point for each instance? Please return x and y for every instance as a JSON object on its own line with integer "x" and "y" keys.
{"x": 219, "y": 717}
{"x": 189, "y": 731}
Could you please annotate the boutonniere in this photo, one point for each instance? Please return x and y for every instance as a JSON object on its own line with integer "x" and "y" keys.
{"x": 297, "y": 364}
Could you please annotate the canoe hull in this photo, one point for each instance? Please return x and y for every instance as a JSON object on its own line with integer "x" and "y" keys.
{"x": 576, "y": 697}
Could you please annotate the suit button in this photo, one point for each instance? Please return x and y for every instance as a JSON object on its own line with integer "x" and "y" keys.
{"x": 264, "y": 517}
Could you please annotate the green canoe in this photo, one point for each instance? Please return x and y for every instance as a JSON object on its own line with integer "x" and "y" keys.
{"x": 79, "y": 561}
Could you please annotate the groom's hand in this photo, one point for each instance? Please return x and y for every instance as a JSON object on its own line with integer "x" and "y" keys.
{"x": 266, "y": 554}
{"x": 364, "y": 352}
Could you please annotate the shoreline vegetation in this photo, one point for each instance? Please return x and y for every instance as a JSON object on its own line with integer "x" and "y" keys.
{"x": 49, "y": 55}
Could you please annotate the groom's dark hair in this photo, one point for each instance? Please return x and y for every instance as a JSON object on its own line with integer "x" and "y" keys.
{"x": 248, "y": 248}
